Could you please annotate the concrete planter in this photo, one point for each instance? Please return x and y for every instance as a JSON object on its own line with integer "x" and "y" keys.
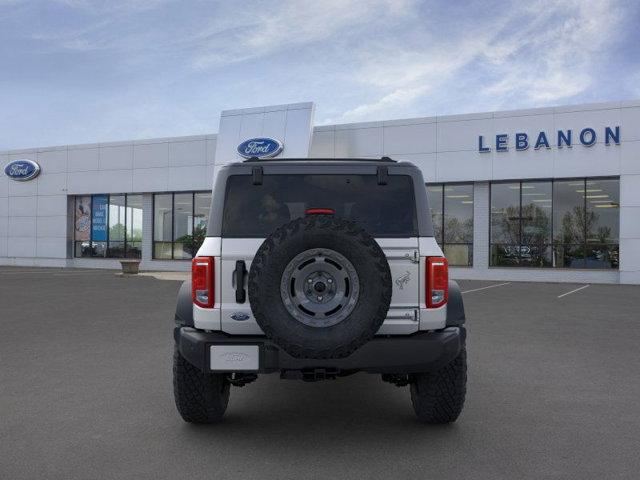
{"x": 130, "y": 266}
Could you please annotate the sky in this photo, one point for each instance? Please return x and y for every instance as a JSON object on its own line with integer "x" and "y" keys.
{"x": 79, "y": 71}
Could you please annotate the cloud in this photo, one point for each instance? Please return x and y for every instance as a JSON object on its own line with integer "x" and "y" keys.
{"x": 285, "y": 26}
{"x": 125, "y": 69}
{"x": 555, "y": 63}
{"x": 406, "y": 77}
{"x": 541, "y": 53}
{"x": 101, "y": 8}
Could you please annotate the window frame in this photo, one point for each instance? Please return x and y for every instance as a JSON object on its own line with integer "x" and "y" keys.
{"x": 411, "y": 181}
{"x": 553, "y": 243}
{"x": 443, "y": 186}
{"x": 125, "y": 241}
{"x": 173, "y": 194}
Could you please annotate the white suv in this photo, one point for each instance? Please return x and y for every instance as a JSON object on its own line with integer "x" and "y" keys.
{"x": 319, "y": 269}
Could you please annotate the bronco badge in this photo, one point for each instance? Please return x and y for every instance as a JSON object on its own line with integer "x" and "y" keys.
{"x": 403, "y": 279}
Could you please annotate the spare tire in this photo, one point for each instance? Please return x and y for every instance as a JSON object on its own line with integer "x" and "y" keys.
{"x": 320, "y": 287}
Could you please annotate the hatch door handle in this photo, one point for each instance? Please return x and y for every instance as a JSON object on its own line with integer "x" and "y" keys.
{"x": 240, "y": 273}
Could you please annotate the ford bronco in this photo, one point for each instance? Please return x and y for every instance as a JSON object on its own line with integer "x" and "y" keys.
{"x": 317, "y": 269}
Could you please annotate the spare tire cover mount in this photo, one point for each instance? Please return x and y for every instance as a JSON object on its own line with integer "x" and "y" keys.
{"x": 320, "y": 287}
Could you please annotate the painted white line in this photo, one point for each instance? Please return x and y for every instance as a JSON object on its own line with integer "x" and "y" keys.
{"x": 484, "y": 288}
{"x": 23, "y": 271}
{"x": 573, "y": 291}
{"x": 53, "y": 274}
{"x": 34, "y": 272}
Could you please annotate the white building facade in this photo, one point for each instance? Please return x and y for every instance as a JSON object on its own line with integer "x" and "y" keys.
{"x": 550, "y": 194}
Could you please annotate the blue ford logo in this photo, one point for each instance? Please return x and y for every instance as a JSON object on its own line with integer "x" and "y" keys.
{"x": 22, "y": 170}
{"x": 239, "y": 316}
{"x": 260, "y": 148}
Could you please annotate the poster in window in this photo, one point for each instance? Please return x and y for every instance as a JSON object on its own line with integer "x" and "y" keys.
{"x": 83, "y": 219}
{"x": 99, "y": 218}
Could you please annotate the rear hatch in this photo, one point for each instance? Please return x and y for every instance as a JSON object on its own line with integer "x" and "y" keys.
{"x": 256, "y": 207}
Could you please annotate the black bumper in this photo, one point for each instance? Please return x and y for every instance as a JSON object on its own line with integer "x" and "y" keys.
{"x": 420, "y": 352}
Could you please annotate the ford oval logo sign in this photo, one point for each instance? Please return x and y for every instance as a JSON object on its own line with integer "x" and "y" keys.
{"x": 260, "y": 148}
{"x": 240, "y": 316}
{"x": 22, "y": 170}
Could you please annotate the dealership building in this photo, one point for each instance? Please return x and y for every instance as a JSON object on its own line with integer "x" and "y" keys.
{"x": 548, "y": 194}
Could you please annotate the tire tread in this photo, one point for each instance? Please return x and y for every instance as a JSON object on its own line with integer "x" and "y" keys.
{"x": 438, "y": 397}
{"x": 200, "y": 397}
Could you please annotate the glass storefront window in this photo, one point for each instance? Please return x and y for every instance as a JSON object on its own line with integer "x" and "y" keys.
{"x": 458, "y": 224}
{"x": 569, "y": 223}
{"x": 451, "y": 208}
{"x": 603, "y": 223}
{"x": 180, "y": 221}
{"x": 603, "y": 211}
{"x": 182, "y": 225}
{"x": 564, "y": 223}
{"x": 201, "y": 206}
{"x": 82, "y": 226}
{"x": 108, "y": 226}
{"x": 434, "y": 192}
{"x": 117, "y": 219}
{"x": 162, "y": 225}
{"x": 505, "y": 224}
{"x": 134, "y": 226}
{"x": 536, "y": 200}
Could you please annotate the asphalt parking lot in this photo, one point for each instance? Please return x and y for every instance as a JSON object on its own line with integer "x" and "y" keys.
{"x": 85, "y": 392}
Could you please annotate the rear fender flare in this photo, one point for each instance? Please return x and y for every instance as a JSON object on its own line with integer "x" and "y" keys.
{"x": 455, "y": 306}
{"x": 184, "y": 306}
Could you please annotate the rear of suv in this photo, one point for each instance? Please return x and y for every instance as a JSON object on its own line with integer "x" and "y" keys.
{"x": 319, "y": 269}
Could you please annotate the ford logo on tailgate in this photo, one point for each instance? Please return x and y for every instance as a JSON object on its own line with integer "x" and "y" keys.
{"x": 260, "y": 148}
{"x": 22, "y": 170}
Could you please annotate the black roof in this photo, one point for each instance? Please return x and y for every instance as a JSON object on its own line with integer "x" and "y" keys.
{"x": 316, "y": 160}
{"x": 326, "y": 164}
{"x": 321, "y": 162}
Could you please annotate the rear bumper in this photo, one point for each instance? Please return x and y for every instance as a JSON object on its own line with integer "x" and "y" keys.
{"x": 420, "y": 352}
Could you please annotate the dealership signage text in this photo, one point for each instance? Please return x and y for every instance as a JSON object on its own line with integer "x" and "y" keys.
{"x": 564, "y": 138}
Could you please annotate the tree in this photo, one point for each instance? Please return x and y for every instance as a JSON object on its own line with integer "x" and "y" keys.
{"x": 525, "y": 232}
{"x": 577, "y": 222}
{"x": 191, "y": 243}
{"x": 116, "y": 232}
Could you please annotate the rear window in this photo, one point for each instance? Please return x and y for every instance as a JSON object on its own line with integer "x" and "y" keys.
{"x": 257, "y": 210}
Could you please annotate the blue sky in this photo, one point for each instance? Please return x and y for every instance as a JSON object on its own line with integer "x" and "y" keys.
{"x": 76, "y": 71}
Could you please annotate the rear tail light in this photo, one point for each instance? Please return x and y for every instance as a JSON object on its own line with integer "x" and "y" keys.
{"x": 202, "y": 284}
{"x": 437, "y": 281}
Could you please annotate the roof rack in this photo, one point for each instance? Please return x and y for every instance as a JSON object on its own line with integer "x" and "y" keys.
{"x": 381, "y": 159}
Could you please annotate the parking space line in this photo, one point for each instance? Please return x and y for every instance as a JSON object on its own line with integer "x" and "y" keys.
{"x": 485, "y": 288}
{"x": 33, "y": 272}
{"x": 57, "y": 273}
{"x": 573, "y": 291}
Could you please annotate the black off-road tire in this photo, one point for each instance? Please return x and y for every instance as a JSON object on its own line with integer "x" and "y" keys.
{"x": 317, "y": 232}
{"x": 438, "y": 397}
{"x": 200, "y": 397}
